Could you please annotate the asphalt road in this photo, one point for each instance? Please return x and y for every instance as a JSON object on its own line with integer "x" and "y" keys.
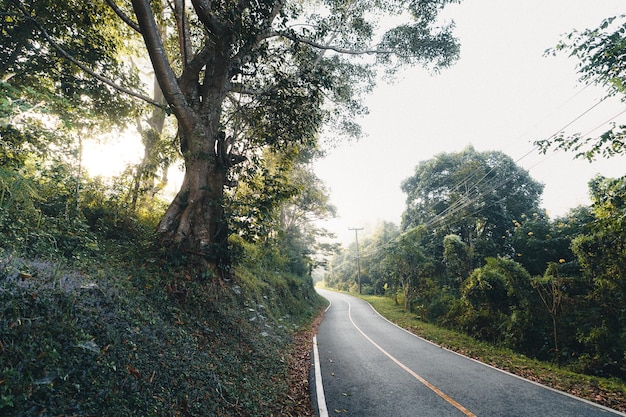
{"x": 370, "y": 367}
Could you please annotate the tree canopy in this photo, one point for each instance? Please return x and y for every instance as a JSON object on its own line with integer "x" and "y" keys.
{"x": 475, "y": 195}
{"x": 239, "y": 77}
{"x": 251, "y": 75}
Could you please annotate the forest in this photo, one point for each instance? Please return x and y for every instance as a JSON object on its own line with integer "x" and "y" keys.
{"x": 121, "y": 294}
{"x": 475, "y": 253}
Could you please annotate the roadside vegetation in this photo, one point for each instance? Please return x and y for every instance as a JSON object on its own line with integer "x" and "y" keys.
{"x": 477, "y": 266}
{"x": 525, "y": 290}
{"x": 98, "y": 321}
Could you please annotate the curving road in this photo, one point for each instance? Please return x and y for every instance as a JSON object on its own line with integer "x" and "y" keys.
{"x": 366, "y": 366}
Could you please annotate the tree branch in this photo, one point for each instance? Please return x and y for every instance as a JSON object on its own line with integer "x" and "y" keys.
{"x": 337, "y": 49}
{"x": 203, "y": 10}
{"x": 162, "y": 68}
{"x": 193, "y": 68}
{"x": 87, "y": 70}
{"x": 120, "y": 13}
{"x": 184, "y": 36}
{"x": 241, "y": 89}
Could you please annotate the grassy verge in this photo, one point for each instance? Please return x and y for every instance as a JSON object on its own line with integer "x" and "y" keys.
{"x": 608, "y": 392}
{"x": 147, "y": 340}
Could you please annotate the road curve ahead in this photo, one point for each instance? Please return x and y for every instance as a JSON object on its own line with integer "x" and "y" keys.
{"x": 370, "y": 367}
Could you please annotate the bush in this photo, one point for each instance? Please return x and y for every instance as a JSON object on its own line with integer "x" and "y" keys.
{"x": 498, "y": 296}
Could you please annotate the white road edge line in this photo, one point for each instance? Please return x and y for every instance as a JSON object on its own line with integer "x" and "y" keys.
{"x": 322, "y": 410}
{"x": 319, "y": 387}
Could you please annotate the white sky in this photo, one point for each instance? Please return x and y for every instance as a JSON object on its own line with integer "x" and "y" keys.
{"x": 503, "y": 94}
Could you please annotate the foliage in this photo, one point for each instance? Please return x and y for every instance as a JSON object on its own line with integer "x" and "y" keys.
{"x": 250, "y": 77}
{"x": 457, "y": 258}
{"x": 474, "y": 195}
{"x": 538, "y": 241}
{"x": 279, "y": 206}
{"x": 498, "y": 294}
{"x": 600, "y": 53}
{"x": 134, "y": 330}
{"x": 142, "y": 338}
{"x": 550, "y": 288}
{"x": 557, "y": 293}
{"x": 602, "y": 256}
{"x": 408, "y": 264}
{"x": 49, "y": 52}
{"x": 47, "y": 212}
{"x": 241, "y": 80}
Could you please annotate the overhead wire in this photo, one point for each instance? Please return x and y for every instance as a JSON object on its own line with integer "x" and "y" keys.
{"x": 469, "y": 198}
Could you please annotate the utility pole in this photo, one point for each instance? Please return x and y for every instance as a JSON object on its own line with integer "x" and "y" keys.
{"x": 358, "y": 259}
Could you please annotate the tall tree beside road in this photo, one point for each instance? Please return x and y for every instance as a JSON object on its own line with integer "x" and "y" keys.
{"x": 253, "y": 74}
{"x": 243, "y": 76}
{"x": 474, "y": 195}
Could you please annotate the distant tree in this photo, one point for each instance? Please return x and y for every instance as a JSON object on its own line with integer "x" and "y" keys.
{"x": 550, "y": 288}
{"x": 379, "y": 272}
{"x": 602, "y": 60}
{"x": 150, "y": 175}
{"x": 457, "y": 258}
{"x": 474, "y": 195}
{"x": 602, "y": 252}
{"x": 407, "y": 263}
{"x": 377, "y": 275}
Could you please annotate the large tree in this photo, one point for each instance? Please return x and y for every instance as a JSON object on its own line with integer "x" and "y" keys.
{"x": 475, "y": 195}
{"x": 252, "y": 74}
{"x": 244, "y": 76}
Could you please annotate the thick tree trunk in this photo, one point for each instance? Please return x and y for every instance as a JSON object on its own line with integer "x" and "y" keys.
{"x": 195, "y": 222}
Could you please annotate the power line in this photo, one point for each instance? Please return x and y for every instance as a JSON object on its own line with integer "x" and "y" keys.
{"x": 471, "y": 174}
{"x": 468, "y": 198}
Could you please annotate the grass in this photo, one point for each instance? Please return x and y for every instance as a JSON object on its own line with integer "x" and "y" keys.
{"x": 609, "y": 392}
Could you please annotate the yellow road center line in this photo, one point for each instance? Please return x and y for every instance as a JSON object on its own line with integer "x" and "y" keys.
{"x": 433, "y": 388}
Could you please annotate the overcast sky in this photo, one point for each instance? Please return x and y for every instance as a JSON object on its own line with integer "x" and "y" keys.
{"x": 502, "y": 95}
